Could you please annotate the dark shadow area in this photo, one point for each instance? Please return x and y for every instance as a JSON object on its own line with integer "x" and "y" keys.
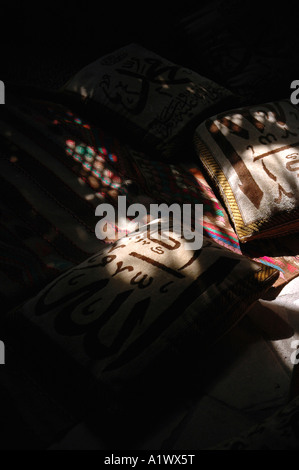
{"x": 43, "y": 45}
{"x": 254, "y": 54}
{"x": 250, "y": 47}
{"x": 272, "y": 325}
{"x": 121, "y": 422}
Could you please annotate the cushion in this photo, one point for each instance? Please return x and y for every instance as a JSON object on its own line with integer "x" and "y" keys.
{"x": 142, "y": 305}
{"x": 81, "y": 165}
{"x": 184, "y": 183}
{"x": 279, "y": 253}
{"x": 55, "y": 168}
{"x": 251, "y": 156}
{"x": 154, "y": 99}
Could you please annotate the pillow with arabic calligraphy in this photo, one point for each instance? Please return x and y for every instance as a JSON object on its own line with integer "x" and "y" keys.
{"x": 144, "y": 303}
{"x": 252, "y": 157}
{"x": 154, "y": 99}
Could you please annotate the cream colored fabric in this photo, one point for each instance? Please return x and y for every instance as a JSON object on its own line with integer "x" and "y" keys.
{"x": 257, "y": 150}
{"x": 156, "y": 98}
{"x": 143, "y": 298}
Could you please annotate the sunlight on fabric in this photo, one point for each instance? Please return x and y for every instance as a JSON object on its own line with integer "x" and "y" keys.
{"x": 94, "y": 169}
{"x": 89, "y": 197}
{"x": 286, "y": 305}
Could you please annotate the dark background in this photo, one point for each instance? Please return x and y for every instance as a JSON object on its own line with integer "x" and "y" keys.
{"x": 250, "y": 47}
{"x": 232, "y": 42}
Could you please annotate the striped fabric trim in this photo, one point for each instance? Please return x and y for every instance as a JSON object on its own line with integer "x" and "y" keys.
{"x": 279, "y": 225}
{"x": 165, "y": 186}
{"x": 227, "y": 240}
{"x": 40, "y": 151}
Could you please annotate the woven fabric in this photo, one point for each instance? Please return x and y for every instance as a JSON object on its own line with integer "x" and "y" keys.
{"x": 55, "y": 169}
{"x": 251, "y": 155}
{"x": 185, "y": 184}
{"x": 144, "y": 300}
{"x": 157, "y": 101}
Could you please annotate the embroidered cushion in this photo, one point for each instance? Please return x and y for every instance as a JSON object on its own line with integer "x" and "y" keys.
{"x": 141, "y": 304}
{"x": 251, "y": 155}
{"x": 156, "y": 101}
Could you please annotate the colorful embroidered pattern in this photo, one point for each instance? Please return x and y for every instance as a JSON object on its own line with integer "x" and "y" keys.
{"x": 56, "y": 168}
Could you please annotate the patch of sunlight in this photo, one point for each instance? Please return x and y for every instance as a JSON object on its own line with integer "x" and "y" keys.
{"x": 70, "y": 143}
{"x": 123, "y": 224}
{"x": 100, "y": 196}
{"x": 190, "y": 89}
{"x": 89, "y": 197}
{"x": 260, "y": 116}
{"x": 84, "y": 92}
